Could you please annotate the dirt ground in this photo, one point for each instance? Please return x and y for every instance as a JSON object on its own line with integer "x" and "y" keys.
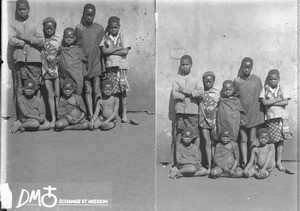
{"x": 277, "y": 192}
{"x": 123, "y": 158}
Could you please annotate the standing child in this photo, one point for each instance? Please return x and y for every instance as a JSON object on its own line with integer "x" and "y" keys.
{"x": 27, "y": 41}
{"x": 89, "y": 35}
{"x": 115, "y": 48}
{"x": 108, "y": 106}
{"x": 32, "y": 109}
{"x": 229, "y": 111}
{"x": 186, "y": 92}
{"x": 72, "y": 61}
{"x": 275, "y": 100}
{"x": 207, "y": 113}
{"x": 226, "y": 156}
{"x": 262, "y": 160}
{"x": 188, "y": 158}
{"x": 248, "y": 87}
{"x": 50, "y": 65}
{"x": 71, "y": 109}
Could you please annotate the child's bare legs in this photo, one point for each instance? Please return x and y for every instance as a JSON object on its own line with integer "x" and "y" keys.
{"x": 279, "y": 150}
{"x": 99, "y": 124}
{"x": 251, "y": 171}
{"x": 62, "y": 124}
{"x": 207, "y": 138}
{"x": 31, "y": 125}
{"x": 56, "y": 93}
{"x": 190, "y": 170}
{"x": 262, "y": 174}
{"x": 238, "y": 173}
{"x": 216, "y": 172}
{"x": 124, "y": 107}
{"x": 96, "y": 88}
{"x": 88, "y": 97}
{"x": 49, "y": 87}
{"x": 19, "y": 83}
{"x": 244, "y": 138}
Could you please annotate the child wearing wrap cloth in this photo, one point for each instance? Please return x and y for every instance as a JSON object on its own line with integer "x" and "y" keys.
{"x": 72, "y": 111}
{"x": 229, "y": 111}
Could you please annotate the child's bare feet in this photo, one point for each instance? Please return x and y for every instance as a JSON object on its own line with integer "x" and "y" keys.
{"x": 52, "y": 124}
{"x": 124, "y": 119}
{"x": 208, "y": 171}
{"x": 280, "y": 166}
{"x": 15, "y": 127}
{"x": 173, "y": 172}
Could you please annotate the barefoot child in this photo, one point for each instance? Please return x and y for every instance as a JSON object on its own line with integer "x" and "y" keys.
{"x": 262, "y": 160}
{"x": 186, "y": 92}
{"x": 115, "y": 48}
{"x": 188, "y": 158}
{"x": 71, "y": 109}
{"x": 248, "y": 87}
{"x": 108, "y": 106}
{"x": 72, "y": 61}
{"x": 89, "y": 35}
{"x": 50, "y": 65}
{"x": 27, "y": 41}
{"x": 275, "y": 100}
{"x": 32, "y": 109}
{"x": 226, "y": 156}
{"x": 229, "y": 111}
{"x": 207, "y": 113}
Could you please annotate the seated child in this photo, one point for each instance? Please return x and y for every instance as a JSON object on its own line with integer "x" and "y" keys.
{"x": 188, "y": 158}
{"x": 226, "y": 156}
{"x": 229, "y": 110}
{"x": 109, "y": 106}
{"x": 275, "y": 100}
{"x": 72, "y": 62}
{"x": 71, "y": 109}
{"x": 32, "y": 109}
{"x": 262, "y": 160}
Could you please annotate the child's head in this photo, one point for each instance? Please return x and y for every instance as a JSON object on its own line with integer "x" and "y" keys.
{"x": 69, "y": 37}
{"x": 263, "y": 136}
{"x": 225, "y": 135}
{"x": 68, "y": 87}
{"x": 49, "y": 27}
{"x": 228, "y": 88}
{"x": 29, "y": 87}
{"x": 22, "y": 9}
{"x": 246, "y": 67}
{"x": 273, "y": 78}
{"x": 107, "y": 88}
{"x": 186, "y": 64}
{"x": 89, "y": 12}
{"x": 113, "y": 25}
{"x": 208, "y": 79}
{"x": 187, "y": 136}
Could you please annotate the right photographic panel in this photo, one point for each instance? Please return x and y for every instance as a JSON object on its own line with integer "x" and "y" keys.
{"x": 226, "y": 105}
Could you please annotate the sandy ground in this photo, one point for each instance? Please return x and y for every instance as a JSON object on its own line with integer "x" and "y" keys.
{"x": 277, "y": 192}
{"x": 122, "y": 158}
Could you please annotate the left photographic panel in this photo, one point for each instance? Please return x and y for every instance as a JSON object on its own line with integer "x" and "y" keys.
{"x": 78, "y": 105}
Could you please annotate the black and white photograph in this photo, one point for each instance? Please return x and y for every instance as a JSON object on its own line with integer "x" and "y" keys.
{"x": 149, "y": 105}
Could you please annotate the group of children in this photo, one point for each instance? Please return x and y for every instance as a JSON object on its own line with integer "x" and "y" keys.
{"x": 242, "y": 108}
{"x": 69, "y": 67}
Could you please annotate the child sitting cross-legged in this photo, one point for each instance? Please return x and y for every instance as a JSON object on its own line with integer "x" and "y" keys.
{"x": 108, "y": 106}
{"x": 226, "y": 156}
{"x": 262, "y": 160}
{"x": 188, "y": 158}
{"x": 32, "y": 109}
{"x": 71, "y": 109}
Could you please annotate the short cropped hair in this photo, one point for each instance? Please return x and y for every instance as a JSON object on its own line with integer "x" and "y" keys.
{"x": 186, "y": 57}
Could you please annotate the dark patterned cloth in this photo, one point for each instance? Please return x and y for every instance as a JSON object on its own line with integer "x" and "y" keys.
{"x": 275, "y": 128}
